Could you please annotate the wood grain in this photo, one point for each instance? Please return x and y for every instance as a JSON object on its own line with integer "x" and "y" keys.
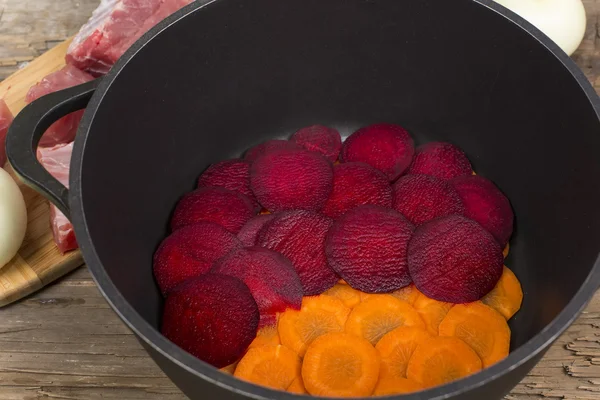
{"x": 39, "y": 261}
{"x": 64, "y": 342}
{"x": 29, "y": 28}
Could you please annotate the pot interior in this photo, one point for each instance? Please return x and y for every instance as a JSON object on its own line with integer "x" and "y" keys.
{"x": 236, "y": 73}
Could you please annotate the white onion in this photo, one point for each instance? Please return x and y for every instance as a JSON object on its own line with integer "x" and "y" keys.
{"x": 563, "y": 21}
{"x": 13, "y": 218}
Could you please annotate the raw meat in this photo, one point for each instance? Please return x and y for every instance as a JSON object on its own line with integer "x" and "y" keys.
{"x": 63, "y": 130}
{"x": 114, "y": 26}
{"x": 56, "y": 160}
{"x": 6, "y": 118}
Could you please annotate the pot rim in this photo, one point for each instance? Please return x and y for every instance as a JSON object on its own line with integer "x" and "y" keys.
{"x": 154, "y": 339}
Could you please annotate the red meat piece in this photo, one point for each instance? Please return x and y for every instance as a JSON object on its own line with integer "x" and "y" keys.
{"x": 57, "y": 160}
{"x": 114, "y": 26}
{"x": 63, "y": 130}
{"x": 6, "y": 118}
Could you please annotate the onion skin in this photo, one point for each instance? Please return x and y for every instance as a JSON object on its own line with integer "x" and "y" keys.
{"x": 563, "y": 21}
{"x": 13, "y": 218}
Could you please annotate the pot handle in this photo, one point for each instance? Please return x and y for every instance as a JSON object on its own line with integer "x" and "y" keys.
{"x": 26, "y": 131}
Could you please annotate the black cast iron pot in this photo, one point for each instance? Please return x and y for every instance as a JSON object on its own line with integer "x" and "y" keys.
{"x": 221, "y": 76}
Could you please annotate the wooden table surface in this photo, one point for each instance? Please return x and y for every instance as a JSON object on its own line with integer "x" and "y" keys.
{"x": 66, "y": 343}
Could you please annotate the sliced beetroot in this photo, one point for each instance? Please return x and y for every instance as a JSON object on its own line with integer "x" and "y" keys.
{"x": 229, "y": 209}
{"x": 268, "y": 147}
{"x": 288, "y": 179}
{"x": 367, "y": 247}
{"x": 421, "y": 198}
{"x": 270, "y": 276}
{"x": 213, "y": 317}
{"x": 300, "y": 236}
{"x": 387, "y": 147}
{"x": 320, "y": 139}
{"x": 357, "y": 184}
{"x": 249, "y": 232}
{"x": 453, "y": 259}
{"x": 486, "y": 204}
{"x": 190, "y": 252}
{"x": 442, "y": 160}
{"x": 229, "y": 174}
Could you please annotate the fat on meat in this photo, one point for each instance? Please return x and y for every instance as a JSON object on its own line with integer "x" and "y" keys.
{"x": 113, "y": 27}
{"x": 63, "y": 130}
{"x": 6, "y": 118}
{"x": 57, "y": 160}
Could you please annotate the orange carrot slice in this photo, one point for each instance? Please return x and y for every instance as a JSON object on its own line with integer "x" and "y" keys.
{"x": 506, "y": 250}
{"x": 230, "y": 369}
{"x": 272, "y": 366}
{"x": 507, "y": 296}
{"x": 318, "y": 315}
{"x": 441, "y": 360}
{"x": 340, "y": 365}
{"x": 379, "y": 315}
{"x": 267, "y": 336}
{"x": 432, "y": 311}
{"x": 389, "y": 386}
{"x": 349, "y": 296}
{"x": 408, "y": 293}
{"x": 396, "y": 348}
{"x": 481, "y": 327}
{"x": 297, "y": 386}
{"x": 342, "y": 282}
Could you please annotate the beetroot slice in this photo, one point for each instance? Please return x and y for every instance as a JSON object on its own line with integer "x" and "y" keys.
{"x": 268, "y": 147}
{"x": 357, "y": 184}
{"x": 367, "y": 247}
{"x": 270, "y": 276}
{"x": 287, "y": 179}
{"x": 421, "y": 198}
{"x": 300, "y": 236}
{"x": 190, "y": 252}
{"x": 442, "y": 160}
{"x": 486, "y": 204}
{"x": 229, "y": 174}
{"x": 453, "y": 259}
{"x": 249, "y": 232}
{"x": 387, "y": 147}
{"x": 320, "y": 139}
{"x": 229, "y": 209}
{"x": 213, "y": 317}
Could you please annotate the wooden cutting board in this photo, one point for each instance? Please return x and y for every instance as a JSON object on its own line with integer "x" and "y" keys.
{"x": 39, "y": 261}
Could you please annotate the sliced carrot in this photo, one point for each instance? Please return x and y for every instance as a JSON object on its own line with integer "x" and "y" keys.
{"x": 342, "y": 282}
{"x": 507, "y": 296}
{"x": 265, "y": 211}
{"x": 349, "y": 296}
{"x": 379, "y": 315}
{"x": 389, "y": 386}
{"x": 481, "y": 327}
{"x": 318, "y": 315}
{"x": 340, "y": 365}
{"x": 272, "y": 366}
{"x": 441, "y": 360}
{"x": 506, "y": 250}
{"x": 432, "y": 311}
{"x": 396, "y": 348}
{"x": 297, "y": 386}
{"x": 267, "y": 336}
{"x": 230, "y": 369}
{"x": 408, "y": 293}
